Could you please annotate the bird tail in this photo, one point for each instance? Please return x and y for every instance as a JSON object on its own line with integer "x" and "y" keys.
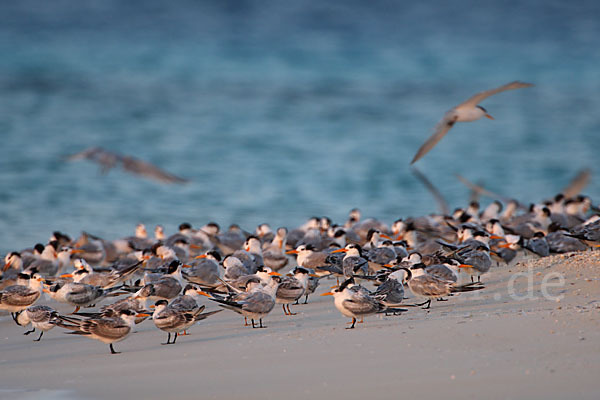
{"x": 205, "y": 315}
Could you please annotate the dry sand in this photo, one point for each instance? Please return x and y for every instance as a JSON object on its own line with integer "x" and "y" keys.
{"x": 477, "y": 345}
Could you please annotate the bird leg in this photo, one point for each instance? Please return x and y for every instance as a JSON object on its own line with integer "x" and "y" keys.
{"x": 261, "y": 324}
{"x": 362, "y": 319}
{"x": 253, "y": 323}
{"x": 423, "y": 303}
{"x": 246, "y": 321}
{"x": 76, "y": 310}
{"x": 112, "y": 351}
{"x": 168, "y": 339}
{"x": 40, "y": 337}
{"x": 284, "y": 310}
{"x": 428, "y": 305}
{"x": 306, "y": 300}
{"x": 353, "y": 322}
{"x": 175, "y": 338}
{"x": 290, "y": 311}
{"x": 184, "y": 333}
{"x": 28, "y": 332}
{"x": 296, "y": 303}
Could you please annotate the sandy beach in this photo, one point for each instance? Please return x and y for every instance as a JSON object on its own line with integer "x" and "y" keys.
{"x": 532, "y": 333}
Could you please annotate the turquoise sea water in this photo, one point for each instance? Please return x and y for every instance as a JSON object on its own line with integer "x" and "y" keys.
{"x": 280, "y": 110}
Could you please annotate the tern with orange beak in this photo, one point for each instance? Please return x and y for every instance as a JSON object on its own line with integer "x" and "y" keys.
{"x": 204, "y": 269}
{"x": 465, "y": 112}
{"x": 16, "y": 298}
{"x": 105, "y": 329}
{"x": 354, "y": 301}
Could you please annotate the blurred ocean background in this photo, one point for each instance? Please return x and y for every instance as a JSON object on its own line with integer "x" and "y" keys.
{"x": 281, "y": 110}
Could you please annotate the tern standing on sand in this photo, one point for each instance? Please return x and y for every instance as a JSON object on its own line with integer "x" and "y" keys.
{"x": 464, "y": 112}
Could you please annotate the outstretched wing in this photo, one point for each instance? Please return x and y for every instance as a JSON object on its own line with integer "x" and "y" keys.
{"x": 440, "y": 130}
{"x": 442, "y": 203}
{"x": 108, "y": 160}
{"x": 577, "y": 184}
{"x": 474, "y": 100}
{"x": 148, "y": 170}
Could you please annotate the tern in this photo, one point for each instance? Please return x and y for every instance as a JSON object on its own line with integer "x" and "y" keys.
{"x": 40, "y": 317}
{"x": 176, "y": 318}
{"x": 105, "y": 329}
{"x": 354, "y": 301}
{"x": 292, "y": 288}
{"x": 18, "y": 297}
{"x": 255, "y": 304}
{"x": 108, "y": 160}
{"x": 465, "y": 112}
{"x": 432, "y": 286}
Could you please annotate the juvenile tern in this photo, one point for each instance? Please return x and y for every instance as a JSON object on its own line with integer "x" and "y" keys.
{"x": 40, "y": 317}
{"x": 174, "y": 319}
{"x": 291, "y": 289}
{"x": 431, "y": 286}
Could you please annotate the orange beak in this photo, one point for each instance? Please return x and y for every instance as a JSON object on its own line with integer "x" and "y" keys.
{"x": 203, "y": 293}
{"x": 496, "y": 237}
{"x": 340, "y": 251}
{"x": 385, "y": 236}
{"x": 201, "y": 256}
{"x": 327, "y": 294}
{"x": 465, "y": 266}
{"x": 489, "y": 116}
{"x": 292, "y": 252}
{"x": 142, "y": 315}
{"x": 45, "y": 290}
{"x": 6, "y": 266}
{"x": 505, "y": 245}
{"x": 152, "y": 306}
{"x": 195, "y": 246}
{"x": 274, "y": 273}
{"x": 66, "y": 276}
{"x": 76, "y": 251}
{"x": 186, "y": 266}
{"x": 313, "y": 275}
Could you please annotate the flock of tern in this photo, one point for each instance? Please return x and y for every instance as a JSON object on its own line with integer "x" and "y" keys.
{"x": 378, "y": 267}
{"x": 375, "y": 265}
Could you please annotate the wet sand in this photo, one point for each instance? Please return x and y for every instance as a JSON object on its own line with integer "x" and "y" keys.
{"x": 487, "y": 344}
